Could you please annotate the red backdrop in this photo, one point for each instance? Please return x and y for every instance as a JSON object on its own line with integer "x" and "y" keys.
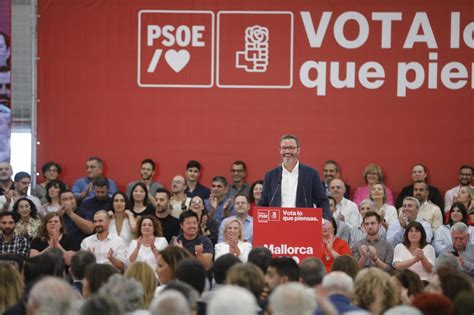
{"x": 91, "y": 102}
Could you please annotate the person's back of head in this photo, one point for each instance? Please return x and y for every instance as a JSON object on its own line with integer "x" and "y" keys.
{"x": 312, "y": 271}
{"x": 432, "y": 303}
{"x": 222, "y": 265}
{"x": 453, "y": 282}
{"x": 247, "y": 276}
{"x": 58, "y": 257}
{"x": 446, "y": 260}
{"x": 338, "y": 282}
{"x": 127, "y": 291}
{"x": 374, "y": 290}
{"x": 37, "y": 267}
{"x": 99, "y": 304}
{"x": 347, "y": 264}
{"x": 51, "y": 296}
{"x": 292, "y": 299}
{"x": 286, "y": 267}
{"x": 232, "y": 300}
{"x": 403, "y": 310}
{"x": 464, "y": 304}
{"x": 192, "y": 272}
{"x": 79, "y": 261}
{"x": 95, "y": 276}
{"x": 261, "y": 257}
{"x": 170, "y": 302}
{"x": 190, "y": 293}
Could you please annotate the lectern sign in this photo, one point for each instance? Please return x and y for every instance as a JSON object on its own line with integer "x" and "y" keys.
{"x": 293, "y": 232}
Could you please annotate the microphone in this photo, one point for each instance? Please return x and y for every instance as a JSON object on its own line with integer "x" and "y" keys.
{"x": 276, "y": 190}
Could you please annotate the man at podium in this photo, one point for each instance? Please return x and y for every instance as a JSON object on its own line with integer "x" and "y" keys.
{"x": 293, "y": 184}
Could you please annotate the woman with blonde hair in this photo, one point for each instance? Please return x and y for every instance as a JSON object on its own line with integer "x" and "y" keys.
{"x": 233, "y": 243}
{"x": 374, "y": 291}
{"x": 388, "y": 213}
{"x": 373, "y": 174}
{"x": 143, "y": 273}
{"x": 11, "y": 285}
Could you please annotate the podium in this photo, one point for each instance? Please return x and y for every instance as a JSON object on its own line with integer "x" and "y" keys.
{"x": 293, "y": 232}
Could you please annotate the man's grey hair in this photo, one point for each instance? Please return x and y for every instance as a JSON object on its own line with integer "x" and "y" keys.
{"x": 403, "y": 310}
{"x": 127, "y": 291}
{"x": 312, "y": 271}
{"x": 414, "y": 200}
{"x": 52, "y": 296}
{"x": 459, "y": 227}
{"x": 170, "y": 302}
{"x": 292, "y": 299}
{"x": 446, "y": 260}
{"x": 232, "y": 300}
{"x": 338, "y": 282}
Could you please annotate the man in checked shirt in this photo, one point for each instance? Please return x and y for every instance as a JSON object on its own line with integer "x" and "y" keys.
{"x": 9, "y": 241}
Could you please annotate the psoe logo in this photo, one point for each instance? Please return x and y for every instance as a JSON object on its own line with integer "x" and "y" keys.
{"x": 274, "y": 215}
{"x": 175, "y": 48}
{"x": 263, "y": 216}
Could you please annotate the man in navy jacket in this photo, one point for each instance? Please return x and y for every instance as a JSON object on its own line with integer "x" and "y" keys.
{"x": 292, "y": 184}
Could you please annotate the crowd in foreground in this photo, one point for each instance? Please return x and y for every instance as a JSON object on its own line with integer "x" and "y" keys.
{"x": 123, "y": 252}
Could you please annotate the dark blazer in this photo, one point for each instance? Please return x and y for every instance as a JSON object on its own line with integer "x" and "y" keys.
{"x": 310, "y": 191}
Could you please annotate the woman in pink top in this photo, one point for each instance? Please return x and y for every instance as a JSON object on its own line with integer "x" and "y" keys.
{"x": 372, "y": 175}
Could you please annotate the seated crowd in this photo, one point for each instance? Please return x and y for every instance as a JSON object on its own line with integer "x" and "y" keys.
{"x": 91, "y": 249}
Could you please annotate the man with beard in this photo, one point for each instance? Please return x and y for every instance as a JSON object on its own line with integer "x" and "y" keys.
{"x": 465, "y": 178}
{"x": 372, "y": 251}
{"x": 332, "y": 170}
{"x": 169, "y": 223}
{"x": 107, "y": 248}
{"x": 429, "y": 212}
{"x": 190, "y": 239}
{"x": 6, "y": 182}
{"x": 293, "y": 184}
{"x": 147, "y": 171}
{"x": 21, "y": 185}
{"x": 9, "y": 241}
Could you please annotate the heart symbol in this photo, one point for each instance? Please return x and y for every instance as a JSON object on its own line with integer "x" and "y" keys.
{"x": 177, "y": 60}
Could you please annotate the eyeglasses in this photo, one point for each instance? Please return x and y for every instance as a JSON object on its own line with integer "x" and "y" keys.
{"x": 196, "y": 202}
{"x": 288, "y": 148}
{"x": 465, "y": 174}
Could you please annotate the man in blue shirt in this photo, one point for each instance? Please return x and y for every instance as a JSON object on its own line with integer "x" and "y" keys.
{"x": 83, "y": 187}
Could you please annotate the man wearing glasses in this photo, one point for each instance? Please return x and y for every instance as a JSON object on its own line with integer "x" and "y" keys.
{"x": 292, "y": 184}
{"x": 465, "y": 178}
{"x": 239, "y": 185}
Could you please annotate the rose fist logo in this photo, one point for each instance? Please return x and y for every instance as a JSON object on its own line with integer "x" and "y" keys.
{"x": 255, "y": 56}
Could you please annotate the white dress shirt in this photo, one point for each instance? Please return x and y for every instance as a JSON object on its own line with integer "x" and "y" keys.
{"x": 101, "y": 248}
{"x": 350, "y": 212}
{"x": 289, "y": 186}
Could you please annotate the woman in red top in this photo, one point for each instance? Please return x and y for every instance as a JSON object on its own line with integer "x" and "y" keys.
{"x": 332, "y": 245}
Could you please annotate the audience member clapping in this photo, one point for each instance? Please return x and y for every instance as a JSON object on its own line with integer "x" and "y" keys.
{"x": 149, "y": 243}
{"x": 233, "y": 243}
{"x": 52, "y": 234}
{"x": 123, "y": 222}
{"x": 373, "y": 174}
{"x": 26, "y": 218}
{"x": 415, "y": 253}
